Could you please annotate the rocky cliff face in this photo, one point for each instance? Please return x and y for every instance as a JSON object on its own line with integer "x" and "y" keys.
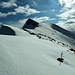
{"x": 5, "y": 30}
{"x": 30, "y": 24}
{"x": 63, "y": 31}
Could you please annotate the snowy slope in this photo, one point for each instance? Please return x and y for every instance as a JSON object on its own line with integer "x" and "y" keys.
{"x": 47, "y": 31}
{"x": 26, "y": 54}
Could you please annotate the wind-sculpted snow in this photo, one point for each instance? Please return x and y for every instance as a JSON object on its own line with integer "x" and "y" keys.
{"x": 26, "y": 54}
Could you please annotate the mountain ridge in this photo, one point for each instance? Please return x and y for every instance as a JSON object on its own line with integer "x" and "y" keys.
{"x": 31, "y": 24}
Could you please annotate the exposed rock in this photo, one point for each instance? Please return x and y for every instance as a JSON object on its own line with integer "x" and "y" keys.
{"x": 30, "y": 24}
{"x": 5, "y": 30}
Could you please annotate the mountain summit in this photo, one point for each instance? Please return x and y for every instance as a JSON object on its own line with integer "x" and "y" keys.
{"x": 31, "y": 24}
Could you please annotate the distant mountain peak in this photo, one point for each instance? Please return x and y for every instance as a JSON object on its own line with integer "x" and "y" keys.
{"x": 63, "y": 31}
{"x": 30, "y": 24}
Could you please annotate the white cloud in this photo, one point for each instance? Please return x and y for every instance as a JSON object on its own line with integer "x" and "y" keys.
{"x": 41, "y": 19}
{"x": 64, "y": 1}
{"x": 62, "y": 24}
{"x": 22, "y": 21}
{"x": 68, "y": 24}
{"x": 67, "y": 14}
{"x": 20, "y": 9}
{"x": 70, "y": 21}
{"x": 53, "y": 10}
{"x": 71, "y": 28}
{"x": 34, "y": 3}
{"x": 8, "y": 4}
{"x": 67, "y": 3}
{"x": 12, "y": 1}
{"x": 27, "y": 10}
{"x": 6, "y": 14}
{"x": 15, "y": 24}
{"x": 68, "y": 10}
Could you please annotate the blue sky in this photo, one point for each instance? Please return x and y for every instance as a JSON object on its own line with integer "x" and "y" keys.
{"x": 16, "y": 12}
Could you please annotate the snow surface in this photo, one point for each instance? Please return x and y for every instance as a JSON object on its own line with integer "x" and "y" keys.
{"x": 26, "y": 54}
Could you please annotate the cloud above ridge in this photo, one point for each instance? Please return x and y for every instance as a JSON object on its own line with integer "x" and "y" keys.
{"x": 27, "y": 10}
{"x": 67, "y": 14}
{"x": 8, "y": 4}
{"x": 22, "y": 10}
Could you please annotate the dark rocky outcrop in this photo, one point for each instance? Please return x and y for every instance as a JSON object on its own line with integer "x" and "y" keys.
{"x": 30, "y": 24}
{"x": 72, "y": 50}
{"x": 5, "y": 30}
{"x": 60, "y": 59}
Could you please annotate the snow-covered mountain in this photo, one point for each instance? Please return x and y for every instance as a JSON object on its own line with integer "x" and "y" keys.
{"x": 34, "y": 50}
